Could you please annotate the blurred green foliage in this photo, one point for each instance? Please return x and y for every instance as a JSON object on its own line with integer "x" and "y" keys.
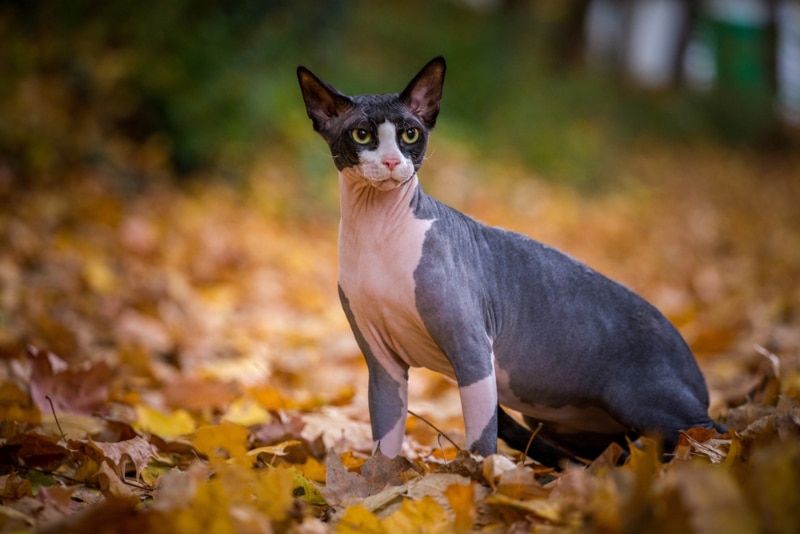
{"x": 183, "y": 86}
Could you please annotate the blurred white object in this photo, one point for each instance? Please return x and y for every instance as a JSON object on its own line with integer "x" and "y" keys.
{"x": 654, "y": 41}
{"x": 604, "y": 31}
{"x": 787, "y": 18}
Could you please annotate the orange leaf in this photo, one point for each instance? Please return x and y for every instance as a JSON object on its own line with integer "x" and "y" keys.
{"x": 461, "y": 498}
{"x": 223, "y": 442}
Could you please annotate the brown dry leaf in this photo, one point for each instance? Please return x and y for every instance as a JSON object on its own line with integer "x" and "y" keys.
{"x": 190, "y": 393}
{"x": 57, "y": 497}
{"x": 176, "y": 488}
{"x": 16, "y": 405}
{"x": 72, "y": 390}
{"x": 342, "y": 487}
{"x": 277, "y": 431}
{"x": 546, "y": 509}
{"x": 710, "y": 501}
{"x": 110, "y": 483}
{"x": 13, "y": 487}
{"x": 380, "y": 471}
{"x": 520, "y": 483}
{"x": 34, "y": 450}
{"x": 772, "y": 484}
{"x": 138, "y": 450}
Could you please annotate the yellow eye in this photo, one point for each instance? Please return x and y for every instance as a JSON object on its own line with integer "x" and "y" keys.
{"x": 410, "y": 136}
{"x": 361, "y": 136}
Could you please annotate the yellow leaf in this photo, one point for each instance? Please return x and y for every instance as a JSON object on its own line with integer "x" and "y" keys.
{"x": 304, "y": 489}
{"x": 172, "y": 425}
{"x": 274, "y": 492}
{"x": 269, "y": 398}
{"x": 98, "y": 276}
{"x": 358, "y": 519}
{"x": 548, "y": 509}
{"x": 711, "y": 501}
{"x": 223, "y": 442}
{"x": 208, "y": 511}
{"x": 461, "y": 498}
{"x": 313, "y": 470}
{"x": 247, "y": 412}
{"x": 274, "y": 450}
{"x": 425, "y": 516}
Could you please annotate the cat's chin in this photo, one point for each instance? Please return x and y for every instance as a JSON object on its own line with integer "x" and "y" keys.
{"x": 388, "y": 184}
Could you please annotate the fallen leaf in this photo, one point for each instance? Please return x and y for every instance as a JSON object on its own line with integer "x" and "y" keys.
{"x": 547, "y": 509}
{"x": 167, "y": 425}
{"x": 425, "y": 516}
{"x": 16, "y": 405}
{"x": 138, "y": 450}
{"x": 342, "y": 488}
{"x": 223, "y": 442}
{"x": 34, "y": 450}
{"x": 72, "y": 390}
{"x": 13, "y": 487}
{"x": 461, "y": 498}
{"x": 710, "y": 499}
{"x": 274, "y": 450}
{"x": 246, "y": 412}
{"x": 358, "y": 519}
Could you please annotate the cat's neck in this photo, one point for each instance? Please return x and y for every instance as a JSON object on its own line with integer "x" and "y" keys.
{"x": 360, "y": 201}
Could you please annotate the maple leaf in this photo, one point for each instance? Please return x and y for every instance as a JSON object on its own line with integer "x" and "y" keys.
{"x": 343, "y": 487}
{"x": 137, "y": 450}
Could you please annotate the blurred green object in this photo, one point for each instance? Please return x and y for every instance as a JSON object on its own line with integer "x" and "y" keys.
{"x": 144, "y": 89}
{"x": 741, "y": 47}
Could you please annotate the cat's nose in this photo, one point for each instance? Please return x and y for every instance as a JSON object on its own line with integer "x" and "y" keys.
{"x": 391, "y": 163}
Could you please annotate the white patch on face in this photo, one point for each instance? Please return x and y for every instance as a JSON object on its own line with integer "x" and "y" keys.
{"x": 386, "y": 167}
{"x": 478, "y": 403}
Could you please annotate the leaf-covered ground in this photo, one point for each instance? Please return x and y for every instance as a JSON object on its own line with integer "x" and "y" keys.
{"x": 175, "y": 359}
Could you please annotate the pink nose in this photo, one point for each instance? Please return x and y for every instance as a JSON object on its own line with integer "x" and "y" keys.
{"x": 391, "y": 163}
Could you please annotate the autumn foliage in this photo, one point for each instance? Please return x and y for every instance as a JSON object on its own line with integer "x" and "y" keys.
{"x": 175, "y": 360}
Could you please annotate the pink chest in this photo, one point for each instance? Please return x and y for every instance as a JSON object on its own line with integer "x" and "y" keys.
{"x": 379, "y": 250}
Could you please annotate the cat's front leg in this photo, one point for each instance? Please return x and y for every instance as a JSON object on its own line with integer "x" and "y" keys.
{"x": 388, "y": 406}
{"x": 479, "y": 406}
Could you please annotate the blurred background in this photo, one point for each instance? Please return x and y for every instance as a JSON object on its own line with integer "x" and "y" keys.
{"x": 166, "y": 208}
{"x": 142, "y": 90}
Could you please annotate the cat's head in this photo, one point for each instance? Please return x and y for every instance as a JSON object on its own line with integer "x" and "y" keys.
{"x": 380, "y": 139}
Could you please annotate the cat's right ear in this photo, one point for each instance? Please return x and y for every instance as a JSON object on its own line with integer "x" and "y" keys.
{"x": 323, "y": 101}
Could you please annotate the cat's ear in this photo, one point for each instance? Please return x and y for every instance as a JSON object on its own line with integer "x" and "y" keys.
{"x": 423, "y": 94}
{"x": 323, "y": 101}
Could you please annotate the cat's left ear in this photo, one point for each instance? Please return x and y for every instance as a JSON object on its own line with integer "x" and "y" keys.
{"x": 424, "y": 94}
